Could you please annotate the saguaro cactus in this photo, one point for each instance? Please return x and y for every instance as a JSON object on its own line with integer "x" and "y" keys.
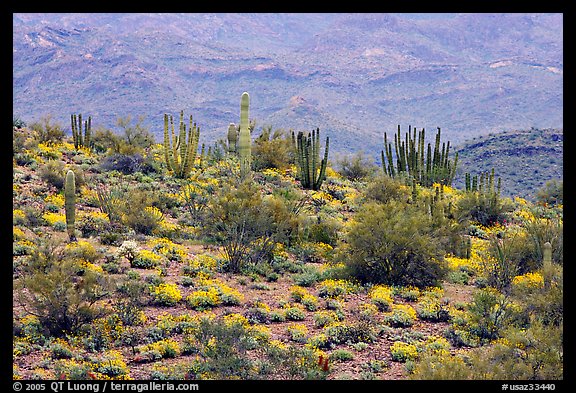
{"x": 70, "y": 204}
{"x": 79, "y": 140}
{"x": 232, "y": 138}
{"x": 244, "y": 142}
{"x": 312, "y": 170}
{"x": 179, "y": 153}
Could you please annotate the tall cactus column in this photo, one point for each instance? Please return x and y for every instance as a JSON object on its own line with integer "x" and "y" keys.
{"x": 244, "y": 142}
{"x": 70, "y": 204}
{"x": 547, "y": 269}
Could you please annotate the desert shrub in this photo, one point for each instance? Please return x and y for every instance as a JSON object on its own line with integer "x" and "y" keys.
{"x": 486, "y": 209}
{"x": 341, "y": 355}
{"x": 298, "y": 332}
{"x": 146, "y": 259}
{"x": 340, "y": 332}
{"x": 54, "y": 172}
{"x": 381, "y": 297}
{"x": 138, "y": 212}
{"x": 122, "y": 163}
{"x": 326, "y": 317}
{"x": 203, "y": 299}
{"x": 47, "y": 132}
{"x": 432, "y": 309}
{"x": 223, "y": 348}
{"x": 401, "y": 316}
{"x": 246, "y": 225}
{"x": 552, "y": 193}
{"x": 294, "y": 313}
{"x": 166, "y": 294}
{"x": 393, "y": 244}
{"x": 356, "y": 166}
{"x": 331, "y": 288}
{"x": 272, "y": 150}
{"x": 533, "y": 354}
{"x": 384, "y": 189}
{"x": 402, "y": 352}
{"x": 55, "y": 291}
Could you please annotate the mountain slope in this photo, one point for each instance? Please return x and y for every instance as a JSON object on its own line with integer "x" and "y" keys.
{"x": 361, "y": 74}
{"x": 525, "y": 160}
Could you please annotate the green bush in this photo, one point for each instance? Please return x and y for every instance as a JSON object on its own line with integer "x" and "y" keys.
{"x": 63, "y": 294}
{"x": 46, "y": 132}
{"x": 384, "y": 189}
{"x": 486, "y": 209}
{"x": 247, "y": 225}
{"x": 393, "y": 244}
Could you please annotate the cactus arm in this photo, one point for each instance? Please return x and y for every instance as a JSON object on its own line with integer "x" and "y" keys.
{"x": 323, "y": 164}
{"x": 232, "y": 138}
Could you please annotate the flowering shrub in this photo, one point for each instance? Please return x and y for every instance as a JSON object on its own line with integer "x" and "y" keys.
{"x": 435, "y": 345}
{"x": 56, "y": 200}
{"x": 19, "y": 217}
{"x": 301, "y": 295}
{"x": 381, "y": 296}
{"x": 166, "y": 348}
{"x": 203, "y": 300}
{"x": 227, "y": 295}
{"x": 200, "y": 264}
{"x": 401, "y": 351}
{"x": 432, "y": 309}
{"x": 294, "y": 312}
{"x": 326, "y": 317}
{"x": 82, "y": 250}
{"x": 166, "y": 294}
{"x": 167, "y": 248}
{"x": 334, "y": 288}
{"x": 409, "y": 293}
{"x": 56, "y": 220}
{"x": 340, "y": 332}
{"x": 528, "y": 282}
{"x": 112, "y": 365}
{"x": 401, "y": 316}
{"x": 146, "y": 259}
{"x": 297, "y": 332}
{"x": 128, "y": 249}
{"x": 91, "y": 223}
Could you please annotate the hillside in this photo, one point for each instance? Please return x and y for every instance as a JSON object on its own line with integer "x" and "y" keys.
{"x": 525, "y": 160}
{"x": 216, "y": 276}
{"x": 353, "y": 75}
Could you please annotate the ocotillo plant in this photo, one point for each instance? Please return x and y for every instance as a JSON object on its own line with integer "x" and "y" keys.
{"x": 70, "y": 204}
{"x": 312, "y": 170}
{"x": 410, "y": 158}
{"x": 232, "y": 138}
{"x": 79, "y": 139}
{"x": 180, "y": 151}
{"x": 244, "y": 142}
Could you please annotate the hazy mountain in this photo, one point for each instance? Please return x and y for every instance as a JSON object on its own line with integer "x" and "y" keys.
{"x": 352, "y": 75}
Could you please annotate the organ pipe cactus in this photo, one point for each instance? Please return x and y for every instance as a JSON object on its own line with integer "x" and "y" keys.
{"x": 410, "y": 160}
{"x": 70, "y": 204}
{"x": 79, "y": 139}
{"x": 312, "y": 171}
{"x": 180, "y": 151}
{"x": 244, "y": 142}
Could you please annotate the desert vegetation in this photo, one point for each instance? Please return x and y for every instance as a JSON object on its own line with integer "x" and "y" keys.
{"x": 254, "y": 258}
